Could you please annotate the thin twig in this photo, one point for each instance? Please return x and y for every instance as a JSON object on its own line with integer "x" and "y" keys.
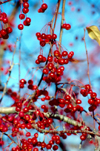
{"x": 87, "y": 59}
{"x": 11, "y": 67}
{"x": 61, "y": 29}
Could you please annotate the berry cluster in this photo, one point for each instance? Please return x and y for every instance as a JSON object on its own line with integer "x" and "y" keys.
{"x": 66, "y": 26}
{"x": 43, "y": 7}
{"x": 4, "y": 32}
{"x": 27, "y": 20}
{"x": 45, "y": 38}
{"x": 24, "y": 116}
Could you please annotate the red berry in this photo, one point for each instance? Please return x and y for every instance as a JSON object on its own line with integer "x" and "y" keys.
{"x": 54, "y": 36}
{"x": 30, "y": 82}
{"x": 21, "y": 85}
{"x": 40, "y": 58}
{"x": 42, "y": 43}
{"x": 45, "y": 71}
{"x": 56, "y": 53}
{"x": 25, "y": 4}
{"x": 82, "y": 137}
{"x": 44, "y": 6}
{"x": 43, "y": 36}
{"x": 5, "y": 20}
{"x": 3, "y": 32}
{"x": 64, "y": 53}
{"x": 28, "y": 20}
{"x": 25, "y": 10}
{"x": 21, "y": 16}
{"x": 9, "y": 30}
{"x": 90, "y": 101}
{"x": 70, "y": 55}
{"x": 20, "y": 26}
{"x": 93, "y": 95}
{"x": 55, "y": 147}
{"x": 38, "y": 34}
{"x": 78, "y": 101}
{"x": 68, "y": 26}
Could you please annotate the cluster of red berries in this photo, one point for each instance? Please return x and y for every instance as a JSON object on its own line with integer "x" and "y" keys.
{"x": 45, "y": 38}
{"x": 53, "y": 73}
{"x": 66, "y": 102}
{"x": 40, "y": 59}
{"x": 27, "y": 20}
{"x": 93, "y": 101}
{"x": 43, "y": 7}
{"x": 66, "y": 26}
{"x": 4, "y": 33}
{"x": 30, "y": 84}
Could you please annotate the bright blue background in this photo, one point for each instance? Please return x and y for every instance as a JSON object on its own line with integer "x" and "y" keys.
{"x": 80, "y": 15}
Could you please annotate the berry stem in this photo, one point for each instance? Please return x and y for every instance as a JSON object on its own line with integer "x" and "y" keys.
{"x": 87, "y": 60}
{"x": 61, "y": 29}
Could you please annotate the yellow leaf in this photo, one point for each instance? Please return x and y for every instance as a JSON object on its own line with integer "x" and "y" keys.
{"x": 94, "y": 33}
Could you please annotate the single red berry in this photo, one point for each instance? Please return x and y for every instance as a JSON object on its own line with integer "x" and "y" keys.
{"x": 42, "y": 43}
{"x": 21, "y": 16}
{"x": 9, "y": 30}
{"x": 25, "y": 10}
{"x": 87, "y": 86}
{"x": 37, "y": 61}
{"x": 45, "y": 71}
{"x": 91, "y": 101}
{"x": 93, "y": 95}
{"x": 68, "y": 26}
{"x": 50, "y": 58}
{"x": 28, "y": 20}
{"x": 49, "y": 37}
{"x": 20, "y": 26}
{"x": 54, "y": 36}
{"x": 40, "y": 58}
{"x": 78, "y": 101}
{"x": 55, "y": 147}
{"x": 30, "y": 82}
{"x": 25, "y": 4}
{"x": 61, "y": 61}
{"x": 43, "y": 36}
{"x": 23, "y": 81}
{"x": 64, "y": 53}
{"x": 82, "y": 137}
{"x": 44, "y": 6}
{"x": 5, "y": 20}
{"x": 38, "y": 34}
{"x": 21, "y": 85}
{"x": 3, "y": 32}
{"x": 56, "y": 53}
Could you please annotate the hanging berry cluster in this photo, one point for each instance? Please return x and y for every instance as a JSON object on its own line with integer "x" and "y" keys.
{"x": 66, "y": 26}
{"x": 27, "y": 20}
{"x": 43, "y": 7}
{"x": 4, "y": 32}
{"x": 45, "y": 38}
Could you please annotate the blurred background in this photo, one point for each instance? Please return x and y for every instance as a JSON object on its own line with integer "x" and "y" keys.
{"x": 79, "y": 14}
